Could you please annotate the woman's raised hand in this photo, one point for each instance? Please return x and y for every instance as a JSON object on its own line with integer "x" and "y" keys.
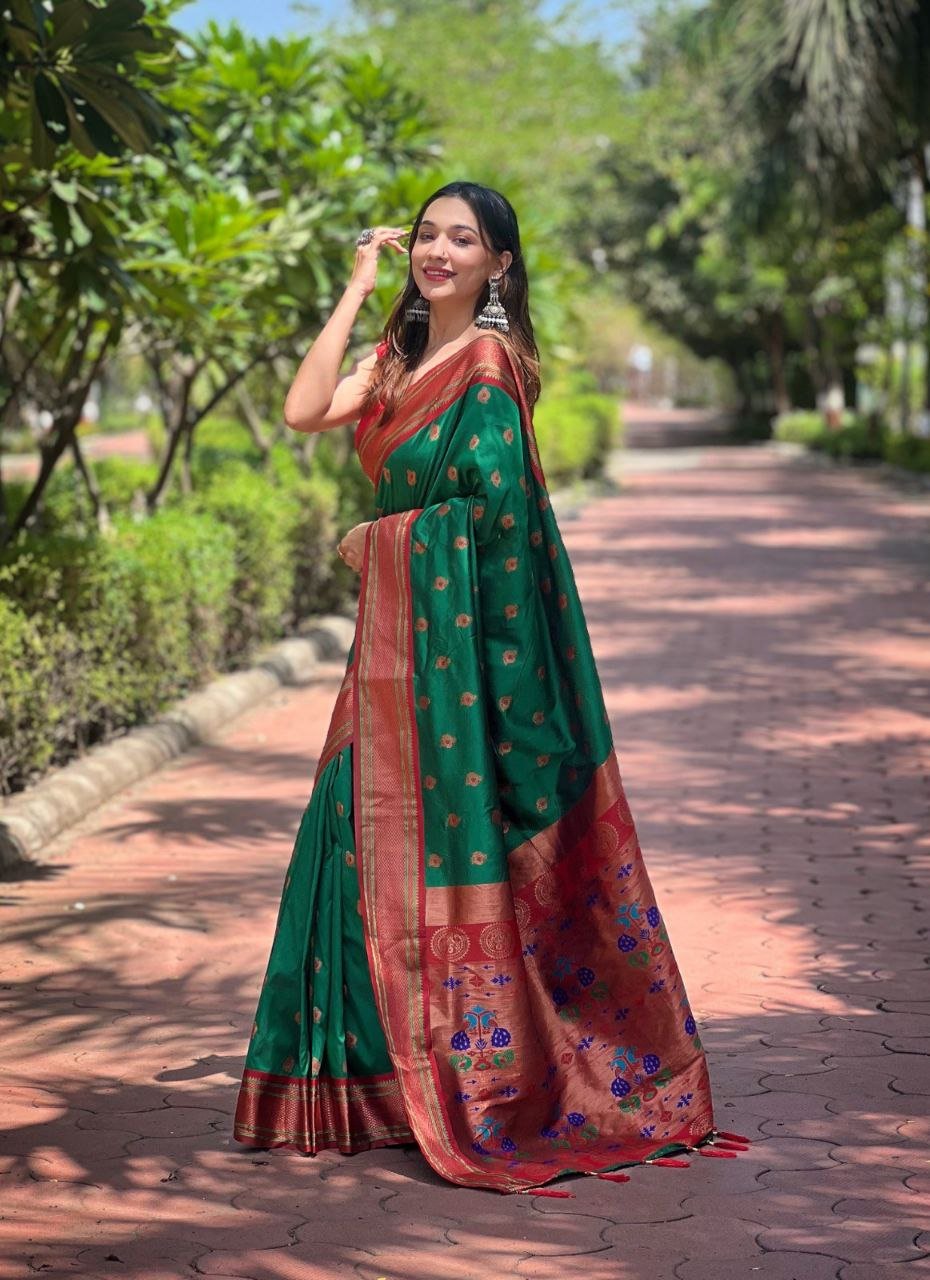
{"x": 365, "y": 272}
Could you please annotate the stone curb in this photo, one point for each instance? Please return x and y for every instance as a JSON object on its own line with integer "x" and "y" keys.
{"x": 29, "y": 820}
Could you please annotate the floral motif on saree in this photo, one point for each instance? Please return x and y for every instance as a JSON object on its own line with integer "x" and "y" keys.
{"x": 534, "y": 1018}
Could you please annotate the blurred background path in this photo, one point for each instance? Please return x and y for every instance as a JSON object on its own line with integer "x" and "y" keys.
{"x": 762, "y": 629}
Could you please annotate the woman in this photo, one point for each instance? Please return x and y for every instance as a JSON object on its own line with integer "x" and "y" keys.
{"x": 468, "y": 954}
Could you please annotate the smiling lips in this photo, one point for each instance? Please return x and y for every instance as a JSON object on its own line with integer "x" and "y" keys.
{"x": 433, "y": 274}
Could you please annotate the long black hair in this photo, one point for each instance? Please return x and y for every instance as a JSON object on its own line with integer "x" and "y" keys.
{"x": 406, "y": 339}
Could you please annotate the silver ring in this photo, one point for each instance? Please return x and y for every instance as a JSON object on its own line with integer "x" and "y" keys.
{"x": 365, "y": 237}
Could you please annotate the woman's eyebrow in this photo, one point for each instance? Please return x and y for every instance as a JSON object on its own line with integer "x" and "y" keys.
{"x": 458, "y": 226}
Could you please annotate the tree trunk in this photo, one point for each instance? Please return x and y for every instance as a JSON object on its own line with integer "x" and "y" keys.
{"x": 98, "y": 506}
{"x": 174, "y": 398}
{"x": 775, "y": 346}
{"x": 67, "y": 416}
{"x": 253, "y": 421}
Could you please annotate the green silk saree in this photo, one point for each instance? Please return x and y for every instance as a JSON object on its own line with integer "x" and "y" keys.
{"x": 469, "y": 954}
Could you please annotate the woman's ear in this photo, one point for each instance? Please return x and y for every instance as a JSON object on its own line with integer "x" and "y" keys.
{"x": 505, "y": 260}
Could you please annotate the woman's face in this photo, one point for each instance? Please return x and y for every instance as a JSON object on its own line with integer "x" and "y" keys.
{"x": 448, "y": 259}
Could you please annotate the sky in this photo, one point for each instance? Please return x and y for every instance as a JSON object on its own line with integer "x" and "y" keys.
{"x": 277, "y": 17}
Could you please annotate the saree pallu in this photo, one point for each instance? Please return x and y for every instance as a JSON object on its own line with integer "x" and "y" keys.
{"x": 469, "y": 953}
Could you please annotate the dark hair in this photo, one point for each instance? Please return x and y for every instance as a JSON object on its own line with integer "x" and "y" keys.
{"x": 406, "y": 340}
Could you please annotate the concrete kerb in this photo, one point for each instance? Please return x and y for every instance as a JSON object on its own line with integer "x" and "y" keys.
{"x": 29, "y": 820}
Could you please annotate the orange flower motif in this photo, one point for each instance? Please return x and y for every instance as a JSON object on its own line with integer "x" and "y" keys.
{"x": 317, "y": 964}
{"x": 429, "y": 782}
{"x": 440, "y": 583}
{"x": 419, "y": 547}
{"x": 460, "y": 543}
{"x": 511, "y": 610}
{"x": 473, "y": 779}
{"x": 434, "y": 432}
{"x": 317, "y": 1014}
{"x": 468, "y": 699}
{"x": 538, "y": 717}
{"x": 509, "y": 656}
{"x": 504, "y": 702}
{"x": 563, "y": 600}
{"x": 478, "y": 858}
{"x": 536, "y": 537}
{"x": 350, "y": 858}
{"x": 484, "y": 395}
{"x": 507, "y": 520}
{"x": 452, "y": 472}
{"x": 504, "y": 748}
{"x": 553, "y": 551}
{"x": 570, "y": 652}
{"x": 351, "y": 1039}
{"x": 546, "y": 585}
{"x": 340, "y": 808}
{"x": 462, "y": 619}
{"x": 443, "y": 662}
{"x": 421, "y": 624}
{"x": 496, "y": 817}
{"x": 541, "y": 672}
{"x": 542, "y": 761}
{"x": 447, "y": 740}
{"x": 522, "y": 483}
{"x": 473, "y": 442}
{"x": 411, "y": 476}
{"x": 508, "y": 435}
{"x": 511, "y": 563}
{"x": 444, "y": 509}
{"x": 543, "y": 502}
{"x": 435, "y": 860}
{"x": 542, "y": 804}
{"x": 385, "y": 475}
{"x": 452, "y": 820}
{"x": 477, "y": 511}
{"x": 423, "y": 701}
{"x": 495, "y": 477}
{"x": 506, "y": 827}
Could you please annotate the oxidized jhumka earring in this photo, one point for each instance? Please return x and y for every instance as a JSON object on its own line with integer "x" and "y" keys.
{"x": 492, "y": 315}
{"x": 418, "y": 310}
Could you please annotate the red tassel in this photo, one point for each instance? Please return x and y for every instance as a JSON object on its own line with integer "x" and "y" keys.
{"x": 733, "y": 1137}
{"x": 614, "y": 1177}
{"x": 721, "y": 1155}
{"x": 670, "y": 1162}
{"x": 730, "y": 1146}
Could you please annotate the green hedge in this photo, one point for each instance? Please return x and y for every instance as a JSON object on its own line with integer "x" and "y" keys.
{"x": 575, "y": 428}
{"x": 855, "y": 440}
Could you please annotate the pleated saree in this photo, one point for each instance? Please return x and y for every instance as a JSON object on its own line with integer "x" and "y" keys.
{"x": 469, "y": 954}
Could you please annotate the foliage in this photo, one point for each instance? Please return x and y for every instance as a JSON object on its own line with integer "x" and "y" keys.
{"x": 858, "y": 439}
{"x": 575, "y": 427}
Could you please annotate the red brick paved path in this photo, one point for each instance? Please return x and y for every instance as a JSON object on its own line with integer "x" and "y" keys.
{"x": 763, "y": 631}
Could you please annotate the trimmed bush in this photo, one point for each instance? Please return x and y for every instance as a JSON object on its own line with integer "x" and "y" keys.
{"x": 263, "y": 520}
{"x": 31, "y": 689}
{"x": 856, "y": 440}
{"x": 575, "y": 429}
{"x": 912, "y": 452}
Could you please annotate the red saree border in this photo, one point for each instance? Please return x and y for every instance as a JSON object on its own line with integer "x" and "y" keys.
{"x": 389, "y": 838}
{"x": 487, "y": 359}
{"x": 339, "y": 733}
{"x": 320, "y": 1113}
